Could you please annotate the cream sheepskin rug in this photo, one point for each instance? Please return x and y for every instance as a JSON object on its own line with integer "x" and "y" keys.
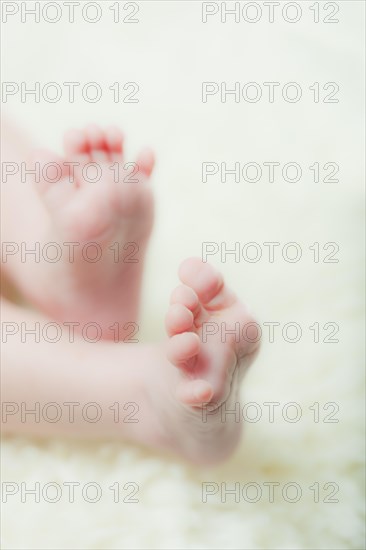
{"x": 169, "y": 54}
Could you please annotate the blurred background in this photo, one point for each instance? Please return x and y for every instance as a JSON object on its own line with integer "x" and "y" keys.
{"x": 167, "y": 51}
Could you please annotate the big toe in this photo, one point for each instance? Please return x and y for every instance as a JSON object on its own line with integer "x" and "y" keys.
{"x": 207, "y": 283}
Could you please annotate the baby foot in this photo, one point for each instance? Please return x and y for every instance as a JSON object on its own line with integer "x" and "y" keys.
{"x": 98, "y": 193}
{"x": 211, "y": 358}
{"x": 104, "y": 205}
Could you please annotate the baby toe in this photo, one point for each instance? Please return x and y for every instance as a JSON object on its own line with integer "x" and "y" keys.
{"x": 114, "y": 142}
{"x": 202, "y": 278}
{"x": 178, "y": 319}
{"x": 185, "y": 295}
{"x": 194, "y": 392}
{"x": 146, "y": 162}
{"x": 182, "y": 347}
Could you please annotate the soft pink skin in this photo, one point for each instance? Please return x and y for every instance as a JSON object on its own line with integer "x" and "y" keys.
{"x": 209, "y": 372}
{"x": 207, "y": 367}
{"x": 171, "y": 399}
{"x": 78, "y": 211}
{"x": 171, "y": 382}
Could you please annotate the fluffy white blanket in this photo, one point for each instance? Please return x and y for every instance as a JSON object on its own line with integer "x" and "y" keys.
{"x": 169, "y": 53}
